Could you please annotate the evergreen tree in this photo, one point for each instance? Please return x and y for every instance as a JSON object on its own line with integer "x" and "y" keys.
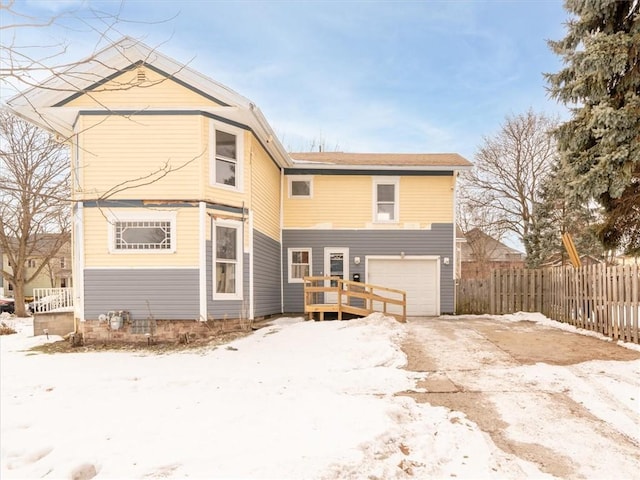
{"x": 600, "y": 82}
{"x": 556, "y": 214}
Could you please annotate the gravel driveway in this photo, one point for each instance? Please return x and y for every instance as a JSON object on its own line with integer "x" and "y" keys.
{"x": 531, "y": 388}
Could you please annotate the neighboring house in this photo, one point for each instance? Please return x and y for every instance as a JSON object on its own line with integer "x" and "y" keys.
{"x": 480, "y": 253}
{"x": 187, "y": 207}
{"x": 56, "y": 273}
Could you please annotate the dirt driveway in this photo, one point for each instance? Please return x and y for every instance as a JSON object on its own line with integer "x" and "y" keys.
{"x": 533, "y": 389}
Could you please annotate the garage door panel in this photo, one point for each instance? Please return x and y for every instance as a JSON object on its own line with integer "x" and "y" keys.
{"x": 418, "y": 277}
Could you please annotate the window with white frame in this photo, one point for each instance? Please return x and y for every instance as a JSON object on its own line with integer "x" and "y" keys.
{"x": 142, "y": 232}
{"x": 300, "y": 187}
{"x": 226, "y": 159}
{"x": 143, "y": 235}
{"x": 31, "y": 263}
{"x": 386, "y": 200}
{"x": 227, "y": 254}
{"x": 299, "y": 264}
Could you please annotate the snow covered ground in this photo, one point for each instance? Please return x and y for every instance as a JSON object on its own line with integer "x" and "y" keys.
{"x": 294, "y": 400}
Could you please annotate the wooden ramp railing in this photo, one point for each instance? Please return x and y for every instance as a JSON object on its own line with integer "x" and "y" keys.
{"x": 333, "y": 294}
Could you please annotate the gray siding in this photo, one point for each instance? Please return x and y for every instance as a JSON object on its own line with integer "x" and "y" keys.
{"x": 266, "y": 271}
{"x": 437, "y": 241}
{"x": 167, "y": 294}
{"x": 217, "y": 309}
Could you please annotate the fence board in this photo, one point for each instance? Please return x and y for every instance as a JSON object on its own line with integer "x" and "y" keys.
{"x": 605, "y": 299}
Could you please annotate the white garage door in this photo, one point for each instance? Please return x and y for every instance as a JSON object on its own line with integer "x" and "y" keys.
{"x": 418, "y": 277}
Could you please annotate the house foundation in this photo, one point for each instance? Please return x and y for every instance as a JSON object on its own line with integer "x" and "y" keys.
{"x": 157, "y": 331}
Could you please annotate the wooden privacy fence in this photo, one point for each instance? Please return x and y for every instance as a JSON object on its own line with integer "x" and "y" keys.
{"x": 602, "y": 298}
{"x": 333, "y": 294}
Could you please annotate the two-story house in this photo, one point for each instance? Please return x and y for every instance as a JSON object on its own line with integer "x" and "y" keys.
{"x": 55, "y": 273}
{"x": 187, "y": 207}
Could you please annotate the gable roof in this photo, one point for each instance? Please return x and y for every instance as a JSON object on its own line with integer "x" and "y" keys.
{"x": 494, "y": 249}
{"x": 46, "y": 106}
{"x": 341, "y": 159}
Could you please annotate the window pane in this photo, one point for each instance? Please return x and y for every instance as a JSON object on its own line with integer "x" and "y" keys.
{"x": 225, "y": 172}
{"x": 386, "y": 193}
{"x": 225, "y": 144}
{"x": 300, "y": 188}
{"x": 225, "y": 277}
{"x": 226, "y": 243}
{"x": 386, "y": 211}
{"x": 143, "y": 235}
{"x": 300, "y": 257}
{"x": 299, "y": 271}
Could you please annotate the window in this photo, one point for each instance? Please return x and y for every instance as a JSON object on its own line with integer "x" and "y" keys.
{"x": 226, "y": 167}
{"x": 143, "y": 235}
{"x": 386, "y": 200}
{"x": 299, "y": 264}
{"x": 300, "y": 187}
{"x": 227, "y": 251}
{"x": 31, "y": 263}
{"x": 142, "y": 232}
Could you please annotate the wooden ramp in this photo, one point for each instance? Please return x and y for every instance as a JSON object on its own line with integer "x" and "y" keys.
{"x": 355, "y": 298}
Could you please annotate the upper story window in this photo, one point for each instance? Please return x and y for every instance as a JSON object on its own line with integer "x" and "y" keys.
{"x": 300, "y": 187}
{"x": 226, "y": 158}
{"x": 141, "y": 232}
{"x": 31, "y": 263}
{"x": 385, "y": 199}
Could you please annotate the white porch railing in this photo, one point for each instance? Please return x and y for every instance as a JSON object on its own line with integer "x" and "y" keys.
{"x": 51, "y": 299}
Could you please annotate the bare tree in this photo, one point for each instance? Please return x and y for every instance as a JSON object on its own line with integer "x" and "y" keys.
{"x": 471, "y": 218}
{"x": 34, "y": 200}
{"x": 509, "y": 168}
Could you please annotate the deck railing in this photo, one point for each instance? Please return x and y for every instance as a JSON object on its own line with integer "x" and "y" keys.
{"x": 333, "y": 294}
{"x": 51, "y": 299}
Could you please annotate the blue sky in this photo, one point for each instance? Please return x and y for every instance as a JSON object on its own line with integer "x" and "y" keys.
{"x": 430, "y": 76}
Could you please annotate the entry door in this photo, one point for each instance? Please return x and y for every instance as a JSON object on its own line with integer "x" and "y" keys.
{"x": 336, "y": 264}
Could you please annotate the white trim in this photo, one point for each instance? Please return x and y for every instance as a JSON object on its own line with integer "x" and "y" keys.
{"x": 239, "y": 160}
{"x": 77, "y": 271}
{"x": 202, "y": 232}
{"x": 290, "y": 251}
{"x": 251, "y": 260}
{"x": 238, "y": 225}
{"x": 280, "y": 239}
{"x": 395, "y": 181}
{"x": 139, "y": 214}
{"x": 300, "y": 178}
{"x": 330, "y": 297}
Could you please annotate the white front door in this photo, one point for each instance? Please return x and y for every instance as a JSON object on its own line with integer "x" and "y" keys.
{"x": 336, "y": 264}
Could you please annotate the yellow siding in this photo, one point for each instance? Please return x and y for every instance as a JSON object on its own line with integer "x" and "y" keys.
{"x": 426, "y": 200}
{"x": 156, "y": 92}
{"x": 96, "y": 233}
{"x": 344, "y": 201}
{"x": 136, "y": 150}
{"x": 265, "y": 188}
{"x": 339, "y": 201}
